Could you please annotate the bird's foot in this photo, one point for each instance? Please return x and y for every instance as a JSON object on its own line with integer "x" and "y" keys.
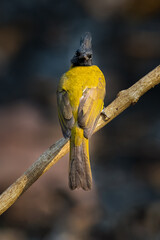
{"x": 104, "y": 115}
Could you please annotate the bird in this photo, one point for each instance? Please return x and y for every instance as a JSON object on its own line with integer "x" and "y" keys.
{"x": 80, "y": 100}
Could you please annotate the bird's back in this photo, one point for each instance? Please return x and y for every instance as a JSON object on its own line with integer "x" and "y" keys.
{"x": 79, "y": 78}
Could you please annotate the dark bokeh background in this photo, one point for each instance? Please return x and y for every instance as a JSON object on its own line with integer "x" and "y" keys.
{"x": 37, "y": 40}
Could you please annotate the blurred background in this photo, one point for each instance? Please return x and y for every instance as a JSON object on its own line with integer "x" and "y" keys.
{"x": 37, "y": 40}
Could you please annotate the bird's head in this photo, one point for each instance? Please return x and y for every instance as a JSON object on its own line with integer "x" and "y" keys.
{"x": 83, "y": 56}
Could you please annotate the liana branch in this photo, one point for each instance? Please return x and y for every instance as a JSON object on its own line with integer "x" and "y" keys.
{"x": 124, "y": 99}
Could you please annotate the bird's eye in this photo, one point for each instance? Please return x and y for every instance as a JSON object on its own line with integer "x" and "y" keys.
{"x": 89, "y": 56}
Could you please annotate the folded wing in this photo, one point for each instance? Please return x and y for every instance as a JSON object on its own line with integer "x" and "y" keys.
{"x": 90, "y": 107}
{"x": 65, "y": 113}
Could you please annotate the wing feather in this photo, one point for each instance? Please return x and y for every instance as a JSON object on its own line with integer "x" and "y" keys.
{"x": 90, "y": 107}
{"x": 65, "y": 113}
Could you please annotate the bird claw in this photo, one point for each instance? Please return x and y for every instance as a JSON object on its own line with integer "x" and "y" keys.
{"x": 103, "y": 113}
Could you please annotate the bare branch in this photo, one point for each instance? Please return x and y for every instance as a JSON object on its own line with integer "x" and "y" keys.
{"x": 124, "y": 99}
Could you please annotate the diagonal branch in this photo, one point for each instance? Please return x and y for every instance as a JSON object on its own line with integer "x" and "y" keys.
{"x": 124, "y": 99}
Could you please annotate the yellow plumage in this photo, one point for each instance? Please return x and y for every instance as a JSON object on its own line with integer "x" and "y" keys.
{"x": 77, "y": 79}
{"x": 80, "y": 97}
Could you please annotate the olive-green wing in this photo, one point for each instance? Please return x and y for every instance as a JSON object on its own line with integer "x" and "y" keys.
{"x": 65, "y": 113}
{"x": 90, "y": 107}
